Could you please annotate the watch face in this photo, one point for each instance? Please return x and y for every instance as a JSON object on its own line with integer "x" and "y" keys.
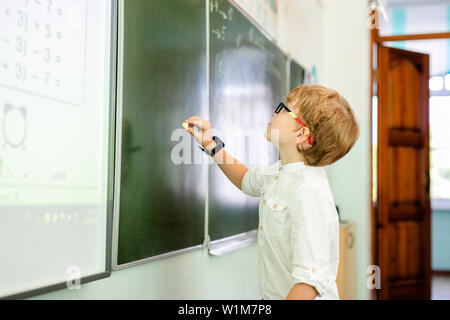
{"x": 217, "y": 140}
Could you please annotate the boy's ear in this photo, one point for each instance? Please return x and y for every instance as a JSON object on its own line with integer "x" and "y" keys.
{"x": 303, "y": 134}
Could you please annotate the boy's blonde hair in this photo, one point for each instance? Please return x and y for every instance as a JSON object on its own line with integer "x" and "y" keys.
{"x": 331, "y": 121}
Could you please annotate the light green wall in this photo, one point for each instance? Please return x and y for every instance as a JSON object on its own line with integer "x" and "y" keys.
{"x": 350, "y": 185}
{"x": 440, "y": 240}
{"x": 194, "y": 275}
{"x": 346, "y": 54}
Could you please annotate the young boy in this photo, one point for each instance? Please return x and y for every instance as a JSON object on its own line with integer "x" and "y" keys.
{"x": 298, "y": 232}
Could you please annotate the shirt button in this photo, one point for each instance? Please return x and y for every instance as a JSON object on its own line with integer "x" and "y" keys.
{"x": 314, "y": 269}
{"x": 275, "y": 206}
{"x": 261, "y": 227}
{"x": 276, "y": 178}
{"x": 264, "y": 201}
{"x": 280, "y": 169}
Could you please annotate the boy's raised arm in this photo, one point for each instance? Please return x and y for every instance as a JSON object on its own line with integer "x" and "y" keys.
{"x": 233, "y": 169}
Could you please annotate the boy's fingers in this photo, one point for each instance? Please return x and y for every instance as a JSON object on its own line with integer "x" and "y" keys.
{"x": 191, "y": 131}
{"x": 204, "y": 124}
{"x": 196, "y": 119}
{"x": 195, "y": 122}
{"x": 195, "y": 134}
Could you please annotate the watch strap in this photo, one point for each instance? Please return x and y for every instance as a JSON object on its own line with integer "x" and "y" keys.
{"x": 219, "y": 145}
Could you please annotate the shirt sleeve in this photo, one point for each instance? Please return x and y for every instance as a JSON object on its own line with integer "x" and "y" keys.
{"x": 253, "y": 182}
{"x": 310, "y": 240}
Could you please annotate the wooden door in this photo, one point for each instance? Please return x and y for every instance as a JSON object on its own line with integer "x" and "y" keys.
{"x": 403, "y": 243}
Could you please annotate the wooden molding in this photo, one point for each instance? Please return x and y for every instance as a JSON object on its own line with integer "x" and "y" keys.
{"x": 441, "y": 273}
{"x": 406, "y": 37}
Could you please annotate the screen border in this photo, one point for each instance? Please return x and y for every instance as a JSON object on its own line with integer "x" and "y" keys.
{"x": 110, "y": 180}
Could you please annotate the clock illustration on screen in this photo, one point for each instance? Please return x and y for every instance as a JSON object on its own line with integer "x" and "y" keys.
{"x": 14, "y": 125}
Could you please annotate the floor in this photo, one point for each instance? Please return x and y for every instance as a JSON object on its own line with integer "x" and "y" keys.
{"x": 440, "y": 287}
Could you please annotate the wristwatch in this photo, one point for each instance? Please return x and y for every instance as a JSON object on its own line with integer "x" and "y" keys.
{"x": 220, "y": 145}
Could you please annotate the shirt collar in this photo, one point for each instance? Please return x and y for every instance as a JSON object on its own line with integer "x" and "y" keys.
{"x": 292, "y": 166}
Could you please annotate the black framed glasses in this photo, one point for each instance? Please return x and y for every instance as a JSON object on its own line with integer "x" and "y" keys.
{"x": 293, "y": 115}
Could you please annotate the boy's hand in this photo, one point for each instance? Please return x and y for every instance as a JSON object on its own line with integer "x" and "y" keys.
{"x": 233, "y": 169}
{"x": 202, "y": 135}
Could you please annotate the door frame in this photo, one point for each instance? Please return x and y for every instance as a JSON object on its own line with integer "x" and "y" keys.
{"x": 375, "y": 41}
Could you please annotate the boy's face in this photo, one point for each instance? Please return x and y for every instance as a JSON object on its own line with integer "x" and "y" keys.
{"x": 282, "y": 129}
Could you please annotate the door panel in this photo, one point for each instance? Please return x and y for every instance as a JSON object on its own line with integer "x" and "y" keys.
{"x": 405, "y": 101}
{"x": 403, "y": 200}
{"x": 405, "y": 263}
{"x": 404, "y": 173}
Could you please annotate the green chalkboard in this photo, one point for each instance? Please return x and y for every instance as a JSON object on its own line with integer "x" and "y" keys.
{"x": 164, "y": 79}
{"x": 248, "y": 78}
{"x": 296, "y": 74}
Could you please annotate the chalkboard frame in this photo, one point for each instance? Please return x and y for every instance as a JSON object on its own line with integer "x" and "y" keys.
{"x": 110, "y": 180}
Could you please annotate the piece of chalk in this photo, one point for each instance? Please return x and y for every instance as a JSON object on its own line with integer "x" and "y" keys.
{"x": 185, "y": 125}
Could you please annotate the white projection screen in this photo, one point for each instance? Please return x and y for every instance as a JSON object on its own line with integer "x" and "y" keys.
{"x": 57, "y": 89}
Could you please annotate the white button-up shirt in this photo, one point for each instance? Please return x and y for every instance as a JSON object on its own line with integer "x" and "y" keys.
{"x": 298, "y": 233}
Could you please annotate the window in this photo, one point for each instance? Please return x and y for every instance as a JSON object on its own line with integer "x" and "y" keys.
{"x": 440, "y": 146}
{"x": 415, "y": 17}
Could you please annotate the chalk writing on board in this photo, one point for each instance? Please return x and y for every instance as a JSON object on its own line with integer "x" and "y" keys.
{"x": 42, "y": 47}
{"x": 256, "y": 39}
{"x": 218, "y": 65}
{"x": 239, "y": 38}
{"x": 220, "y": 33}
{"x": 215, "y": 8}
{"x": 264, "y": 12}
{"x": 233, "y": 56}
{"x": 243, "y": 40}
